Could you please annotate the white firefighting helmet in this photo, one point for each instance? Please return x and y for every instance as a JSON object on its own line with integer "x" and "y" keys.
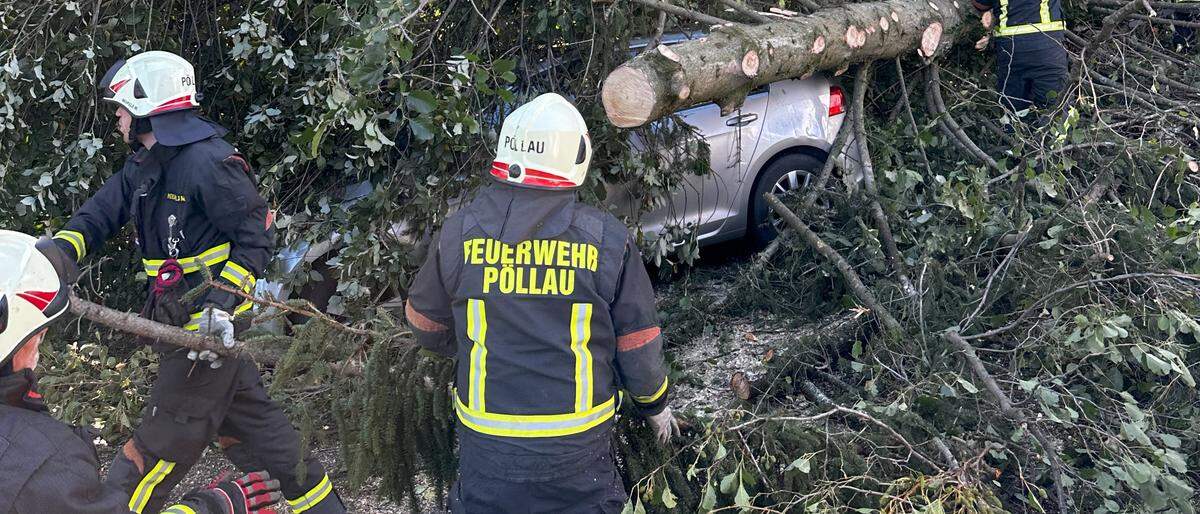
{"x": 31, "y": 294}
{"x": 543, "y": 144}
{"x": 151, "y": 83}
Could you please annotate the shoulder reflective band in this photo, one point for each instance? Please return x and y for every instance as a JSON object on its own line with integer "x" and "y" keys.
{"x": 1044, "y": 24}
{"x": 534, "y": 425}
{"x": 145, "y": 488}
{"x": 239, "y": 276}
{"x": 581, "y": 333}
{"x": 179, "y": 509}
{"x": 211, "y": 257}
{"x": 76, "y": 239}
{"x": 477, "y": 331}
{"x": 652, "y": 398}
{"x": 312, "y": 497}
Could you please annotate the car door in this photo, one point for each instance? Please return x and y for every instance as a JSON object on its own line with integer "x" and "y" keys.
{"x": 706, "y": 201}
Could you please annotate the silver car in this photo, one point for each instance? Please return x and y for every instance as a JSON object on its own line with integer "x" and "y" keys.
{"x": 777, "y": 141}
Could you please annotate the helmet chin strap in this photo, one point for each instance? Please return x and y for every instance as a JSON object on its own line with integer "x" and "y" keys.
{"x": 139, "y": 127}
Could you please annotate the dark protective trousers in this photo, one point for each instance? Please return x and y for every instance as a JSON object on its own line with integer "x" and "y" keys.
{"x": 490, "y": 482}
{"x": 1033, "y": 77}
{"x": 190, "y": 406}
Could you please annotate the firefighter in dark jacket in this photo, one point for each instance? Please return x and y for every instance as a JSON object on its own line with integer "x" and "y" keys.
{"x": 1031, "y": 61}
{"x": 193, "y": 204}
{"x": 549, "y": 311}
{"x": 50, "y": 467}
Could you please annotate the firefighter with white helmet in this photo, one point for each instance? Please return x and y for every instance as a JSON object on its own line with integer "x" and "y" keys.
{"x": 549, "y": 311}
{"x": 49, "y": 466}
{"x": 194, "y": 206}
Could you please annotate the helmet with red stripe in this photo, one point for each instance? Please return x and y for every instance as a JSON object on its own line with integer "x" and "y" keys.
{"x": 151, "y": 83}
{"x": 543, "y": 144}
{"x": 31, "y": 293}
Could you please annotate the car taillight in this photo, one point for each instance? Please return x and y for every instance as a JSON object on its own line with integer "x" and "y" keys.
{"x": 837, "y": 101}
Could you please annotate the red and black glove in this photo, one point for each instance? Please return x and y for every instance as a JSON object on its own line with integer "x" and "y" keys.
{"x": 255, "y": 493}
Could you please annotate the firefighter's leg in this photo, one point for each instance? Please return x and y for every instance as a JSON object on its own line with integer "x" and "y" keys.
{"x": 1010, "y": 81}
{"x": 585, "y": 481}
{"x": 1048, "y": 80}
{"x": 256, "y": 434}
{"x": 187, "y": 402}
{"x": 594, "y": 490}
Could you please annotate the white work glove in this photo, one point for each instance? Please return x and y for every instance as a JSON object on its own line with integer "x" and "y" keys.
{"x": 665, "y": 425}
{"x": 216, "y": 323}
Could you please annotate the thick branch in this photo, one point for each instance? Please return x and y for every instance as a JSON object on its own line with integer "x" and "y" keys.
{"x": 746, "y": 11}
{"x": 1011, "y": 412}
{"x": 729, "y": 63}
{"x": 138, "y": 326}
{"x": 133, "y": 324}
{"x": 681, "y": 12}
{"x": 857, "y": 115}
{"x": 859, "y": 289}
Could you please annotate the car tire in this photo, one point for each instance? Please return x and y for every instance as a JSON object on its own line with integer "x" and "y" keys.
{"x": 788, "y": 173}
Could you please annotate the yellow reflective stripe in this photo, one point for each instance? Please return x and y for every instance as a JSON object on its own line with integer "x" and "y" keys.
{"x": 1045, "y": 11}
{"x": 657, "y": 394}
{"x": 1003, "y": 16}
{"x": 312, "y": 497}
{"x": 239, "y": 276}
{"x": 194, "y": 323}
{"x": 581, "y": 333}
{"x": 211, "y": 257}
{"x": 76, "y": 239}
{"x": 1031, "y": 28}
{"x": 534, "y": 425}
{"x": 477, "y": 331}
{"x": 144, "y": 489}
{"x": 245, "y": 306}
{"x": 179, "y": 509}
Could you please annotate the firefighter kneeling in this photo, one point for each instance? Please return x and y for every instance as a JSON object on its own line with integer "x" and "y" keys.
{"x": 548, "y": 308}
{"x": 48, "y": 466}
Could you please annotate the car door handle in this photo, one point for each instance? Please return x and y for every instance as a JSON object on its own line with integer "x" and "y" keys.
{"x": 741, "y": 120}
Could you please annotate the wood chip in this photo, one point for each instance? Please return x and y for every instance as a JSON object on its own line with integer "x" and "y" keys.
{"x": 668, "y": 53}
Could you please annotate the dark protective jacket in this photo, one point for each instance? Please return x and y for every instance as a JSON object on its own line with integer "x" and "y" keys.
{"x": 48, "y": 467}
{"x": 196, "y": 203}
{"x": 549, "y": 310}
{"x": 1026, "y": 25}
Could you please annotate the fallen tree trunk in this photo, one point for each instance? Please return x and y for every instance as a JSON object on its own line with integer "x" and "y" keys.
{"x": 732, "y": 61}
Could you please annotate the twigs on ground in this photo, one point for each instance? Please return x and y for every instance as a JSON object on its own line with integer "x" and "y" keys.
{"x": 1012, "y": 413}
{"x": 855, "y": 283}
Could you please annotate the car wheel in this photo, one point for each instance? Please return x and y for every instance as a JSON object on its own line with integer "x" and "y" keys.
{"x": 787, "y": 174}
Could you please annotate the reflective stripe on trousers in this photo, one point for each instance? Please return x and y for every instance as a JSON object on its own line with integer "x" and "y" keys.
{"x": 312, "y": 497}
{"x": 145, "y": 488}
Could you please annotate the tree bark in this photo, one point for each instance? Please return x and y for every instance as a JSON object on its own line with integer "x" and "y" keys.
{"x": 139, "y": 326}
{"x": 732, "y": 61}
